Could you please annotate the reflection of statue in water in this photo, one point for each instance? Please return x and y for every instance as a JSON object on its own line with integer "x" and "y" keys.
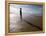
{"x": 21, "y": 14}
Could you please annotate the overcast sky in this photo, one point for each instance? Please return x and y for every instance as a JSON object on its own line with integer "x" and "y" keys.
{"x": 26, "y": 9}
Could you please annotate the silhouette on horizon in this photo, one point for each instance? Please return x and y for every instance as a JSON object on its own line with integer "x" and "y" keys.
{"x": 21, "y": 14}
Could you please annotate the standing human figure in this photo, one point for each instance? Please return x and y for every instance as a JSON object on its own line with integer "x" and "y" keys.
{"x": 21, "y": 14}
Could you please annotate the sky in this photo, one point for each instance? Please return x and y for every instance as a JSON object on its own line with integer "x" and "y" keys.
{"x": 26, "y": 9}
